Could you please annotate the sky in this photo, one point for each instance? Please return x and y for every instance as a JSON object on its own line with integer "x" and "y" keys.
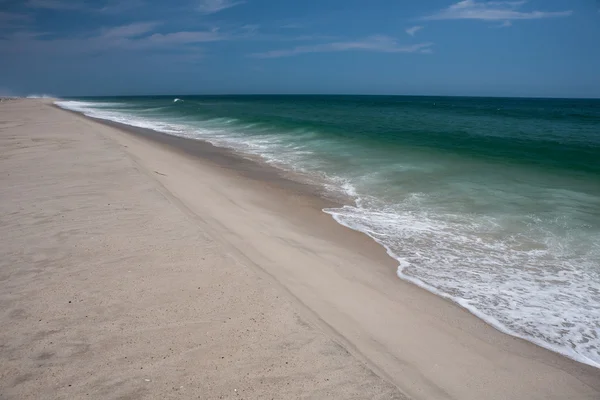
{"x": 535, "y": 48}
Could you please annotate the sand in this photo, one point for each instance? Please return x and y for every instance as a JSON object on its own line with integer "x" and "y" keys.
{"x": 137, "y": 265}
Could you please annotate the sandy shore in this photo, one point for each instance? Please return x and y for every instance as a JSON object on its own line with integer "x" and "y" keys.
{"x": 137, "y": 265}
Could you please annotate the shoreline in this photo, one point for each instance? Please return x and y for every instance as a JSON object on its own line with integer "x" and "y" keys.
{"x": 338, "y": 280}
{"x": 257, "y": 169}
{"x": 112, "y": 288}
{"x": 291, "y": 185}
{"x": 254, "y": 168}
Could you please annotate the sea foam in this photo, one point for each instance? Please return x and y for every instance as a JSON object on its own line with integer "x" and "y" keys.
{"x": 41, "y": 96}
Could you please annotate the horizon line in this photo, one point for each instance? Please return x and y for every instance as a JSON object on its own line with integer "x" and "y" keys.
{"x": 314, "y": 94}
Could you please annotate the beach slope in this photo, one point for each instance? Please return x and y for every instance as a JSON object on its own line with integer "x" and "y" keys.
{"x": 110, "y": 289}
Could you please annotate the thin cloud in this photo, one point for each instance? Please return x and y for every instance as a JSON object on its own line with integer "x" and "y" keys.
{"x": 114, "y": 7}
{"x": 250, "y": 28}
{"x": 11, "y": 21}
{"x": 55, "y": 4}
{"x": 413, "y": 30}
{"x": 130, "y": 31}
{"x": 306, "y": 38}
{"x": 137, "y": 37}
{"x": 292, "y": 26}
{"x": 8, "y": 17}
{"x": 132, "y": 37}
{"x": 492, "y": 11}
{"x": 214, "y": 6}
{"x": 505, "y": 24}
{"x": 24, "y": 35}
{"x": 378, "y": 43}
{"x": 184, "y": 37}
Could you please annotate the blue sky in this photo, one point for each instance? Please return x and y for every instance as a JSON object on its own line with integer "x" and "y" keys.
{"x": 546, "y": 48}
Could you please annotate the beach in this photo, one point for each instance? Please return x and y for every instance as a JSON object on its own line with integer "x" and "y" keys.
{"x": 141, "y": 265}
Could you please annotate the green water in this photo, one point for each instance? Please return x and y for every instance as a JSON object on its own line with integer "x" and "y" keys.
{"x": 493, "y": 203}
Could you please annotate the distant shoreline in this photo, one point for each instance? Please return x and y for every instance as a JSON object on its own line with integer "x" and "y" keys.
{"x": 179, "y": 95}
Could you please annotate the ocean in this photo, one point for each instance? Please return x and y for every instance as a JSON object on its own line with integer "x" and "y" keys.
{"x": 493, "y": 203}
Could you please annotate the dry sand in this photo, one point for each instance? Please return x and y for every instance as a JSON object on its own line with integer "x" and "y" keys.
{"x": 136, "y": 265}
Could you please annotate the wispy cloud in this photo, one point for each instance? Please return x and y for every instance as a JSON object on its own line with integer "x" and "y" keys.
{"x": 213, "y": 6}
{"x": 250, "y": 28}
{"x": 492, "y": 11}
{"x": 305, "y": 38}
{"x": 138, "y": 37}
{"x": 55, "y": 4}
{"x": 183, "y": 38}
{"x": 110, "y": 6}
{"x": 129, "y": 31}
{"x": 377, "y": 43}
{"x": 13, "y": 21}
{"x": 132, "y": 37}
{"x": 292, "y": 26}
{"x": 24, "y": 35}
{"x": 121, "y": 6}
{"x": 413, "y": 30}
{"x": 8, "y": 17}
{"x": 505, "y": 24}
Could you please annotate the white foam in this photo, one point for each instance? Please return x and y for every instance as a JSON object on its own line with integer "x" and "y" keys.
{"x": 493, "y": 279}
{"x": 41, "y": 96}
{"x": 105, "y": 111}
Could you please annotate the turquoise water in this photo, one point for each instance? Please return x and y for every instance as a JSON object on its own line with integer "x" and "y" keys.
{"x": 492, "y": 203}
